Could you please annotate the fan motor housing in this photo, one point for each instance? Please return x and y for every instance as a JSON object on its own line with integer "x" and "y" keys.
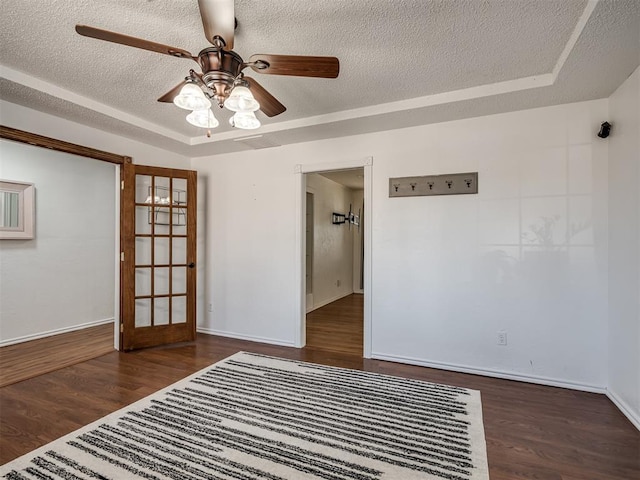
{"x": 220, "y": 68}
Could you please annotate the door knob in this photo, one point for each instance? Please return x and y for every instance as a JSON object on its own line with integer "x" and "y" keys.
{"x": 191, "y": 265}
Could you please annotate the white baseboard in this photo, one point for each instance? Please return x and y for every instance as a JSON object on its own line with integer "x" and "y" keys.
{"x": 626, "y": 410}
{"x": 57, "y": 331}
{"x": 550, "y": 382}
{"x": 240, "y": 336}
{"x": 327, "y": 302}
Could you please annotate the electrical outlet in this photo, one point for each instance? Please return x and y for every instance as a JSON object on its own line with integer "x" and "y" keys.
{"x": 338, "y": 283}
{"x": 502, "y": 338}
{"x": 210, "y": 307}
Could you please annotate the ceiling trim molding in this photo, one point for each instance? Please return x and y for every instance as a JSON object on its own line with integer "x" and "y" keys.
{"x": 86, "y": 102}
{"x": 573, "y": 39}
{"x": 453, "y": 96}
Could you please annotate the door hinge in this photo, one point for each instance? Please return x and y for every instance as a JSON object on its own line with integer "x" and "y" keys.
{"x": 122, "y": 328}
{"x": 122, "y": 185}
{"x": 122, "y": 256}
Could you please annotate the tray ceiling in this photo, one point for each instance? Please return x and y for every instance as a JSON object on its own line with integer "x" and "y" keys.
{"x": 403, "y": 63}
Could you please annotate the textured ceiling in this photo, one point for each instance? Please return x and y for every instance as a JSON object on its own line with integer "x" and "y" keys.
{"x": 353, "y": 178}
{"x": 403, "y": 62}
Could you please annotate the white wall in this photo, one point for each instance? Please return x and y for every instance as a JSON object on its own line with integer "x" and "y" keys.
{"x": 447, "y": 272}
{"x": 65, "y": 276}
{"x": 624, "y": 248}
{"x": 333, "y": 244}
{"x": 246, "y": 231}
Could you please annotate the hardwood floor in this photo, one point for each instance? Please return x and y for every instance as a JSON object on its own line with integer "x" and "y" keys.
{"x": 532, "y": 432}
{"x": 337, "y": 326}
{"x": 26, "y": 360}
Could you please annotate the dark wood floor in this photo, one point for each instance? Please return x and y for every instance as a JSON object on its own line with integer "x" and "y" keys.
{"x": 337, "y": 326}
{"x": 532, "y": 432}
{"x": 26, "y": 360}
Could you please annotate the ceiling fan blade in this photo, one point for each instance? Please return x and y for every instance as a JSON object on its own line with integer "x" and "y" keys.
{"x": 296, "y": 65}
{"x": 171, "y": 94}
{"x": 268, "y": 103}
{"x": 218, "y": 20}
{"x": 132, "y": 41}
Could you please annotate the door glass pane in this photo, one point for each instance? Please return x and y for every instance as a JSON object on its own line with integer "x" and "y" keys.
{"x": 161, "y": 252}
{"x": 179, "y": 310}
{"x": 143, "y": 189}
{"x": 179, "y": 215}
{"x": 180, "y": 221}
{"x": 161, "y": 281}
{"x": 143, "y": 281}
{"x": 162, "y": 228}
{"x": 143, "y": 251}
{"x": 179, "y": 251}
{"x": 179, "y": 280}
{"x": 162, "y": 189}
{"x": 179, "y": 191}
{"x": 143, "y": 312}
{"x": 144, "y": 217}
{"x": 161, "y": 311}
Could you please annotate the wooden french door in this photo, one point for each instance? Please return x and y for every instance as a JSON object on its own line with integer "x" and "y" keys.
{"x": 158, "y": 245}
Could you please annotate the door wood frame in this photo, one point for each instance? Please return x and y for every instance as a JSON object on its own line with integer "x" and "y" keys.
{"x": 22, "y": 136}
{"x": 300, "y": 249}
{"x": 131, "y": 337}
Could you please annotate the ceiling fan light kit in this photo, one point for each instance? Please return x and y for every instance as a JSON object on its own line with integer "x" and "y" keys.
{"x": 191, "y": 97}
{"x": 244, "y": 120}
{"x": 222, "y": 79}
{"x": 241, "y": 100}
{"x": 203, "y": 119}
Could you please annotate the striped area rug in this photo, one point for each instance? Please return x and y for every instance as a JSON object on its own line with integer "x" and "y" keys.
{"x": 256, "y": 417}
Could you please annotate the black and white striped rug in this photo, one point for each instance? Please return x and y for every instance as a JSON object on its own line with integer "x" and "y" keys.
{"x": 256, "y": 417}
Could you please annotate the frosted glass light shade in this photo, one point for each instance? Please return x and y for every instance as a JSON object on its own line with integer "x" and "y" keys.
{"x": 203, "y": 119}
{"x": 245, "y": 120}
{"x": 191, "y": 97}
{"x": 241, "y": 100}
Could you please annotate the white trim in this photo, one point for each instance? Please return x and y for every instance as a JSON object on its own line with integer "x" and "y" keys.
{"x": 117, "y": 266}
{"x": 57, "y": 331}
{"x": 346, "y": 164}
{"x": 86, "y": 102}
{"x": 327, "y": 302}
{"x": 241, "y": 336}
{"x": 300, "y": 243}
{"x": 550, "y": 382}
{"x": 624, "y": 407}
{"x": 573, "y": 39}
{"x": 300, "y": 300}
{"x": 367, "y": 258}
{"x": 454, "y": 96}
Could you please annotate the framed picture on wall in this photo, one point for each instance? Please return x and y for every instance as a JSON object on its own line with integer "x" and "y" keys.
{"x": 17, "y": 210}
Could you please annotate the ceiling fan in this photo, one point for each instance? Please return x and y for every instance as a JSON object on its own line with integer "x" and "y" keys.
{"x": 222, "y": 79}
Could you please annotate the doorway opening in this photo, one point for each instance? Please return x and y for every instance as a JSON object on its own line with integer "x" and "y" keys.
{"x": 76, "y": 318}
{"x": 334, "y": 254}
